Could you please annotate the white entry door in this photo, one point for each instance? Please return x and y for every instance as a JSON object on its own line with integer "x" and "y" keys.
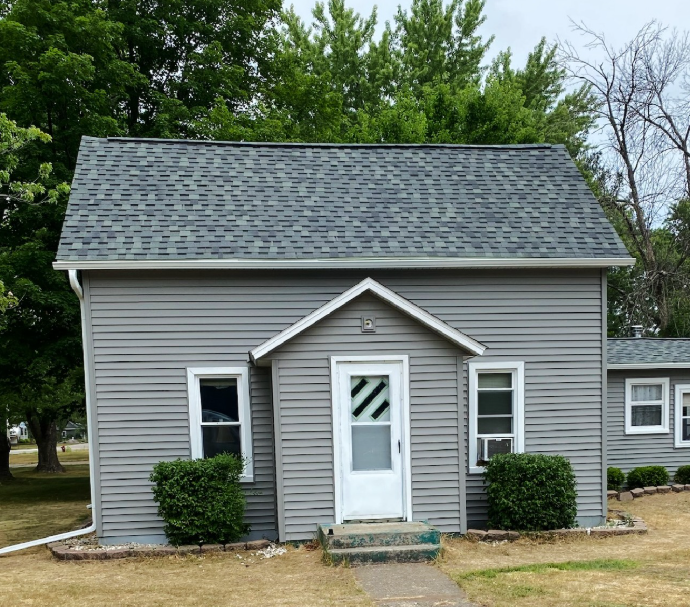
{"x": 370, "y": 407}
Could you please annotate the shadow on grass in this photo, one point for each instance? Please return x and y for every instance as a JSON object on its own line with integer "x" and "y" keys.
{"x": 32, "y": 488}
{"x": 594, "y": 565}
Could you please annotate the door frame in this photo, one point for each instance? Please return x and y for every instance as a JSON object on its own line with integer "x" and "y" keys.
{"x": 404, "y": 362}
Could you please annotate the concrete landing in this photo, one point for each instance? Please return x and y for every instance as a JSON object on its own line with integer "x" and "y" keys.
{"x": 410, "y": 585}
{"x": 401, "y": 542}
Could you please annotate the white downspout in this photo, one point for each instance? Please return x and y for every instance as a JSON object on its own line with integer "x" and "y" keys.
{"x": 90, "y": 422}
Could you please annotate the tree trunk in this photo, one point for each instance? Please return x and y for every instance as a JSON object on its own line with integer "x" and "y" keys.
{"x": 46, "y": 434}
{"x": 5, "y": 473}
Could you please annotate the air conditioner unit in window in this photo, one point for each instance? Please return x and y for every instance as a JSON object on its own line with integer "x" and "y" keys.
{"x": 488, "y": 447}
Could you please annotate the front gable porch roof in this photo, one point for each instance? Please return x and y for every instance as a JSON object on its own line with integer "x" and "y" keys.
{"x": 369, "y": 285}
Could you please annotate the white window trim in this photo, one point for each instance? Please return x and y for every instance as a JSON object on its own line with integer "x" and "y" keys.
{"x": 666, "y": 392}
{"x": 244, "y": 409}
{"x": 678, "y": 416}
{"x": 517, "y": 368}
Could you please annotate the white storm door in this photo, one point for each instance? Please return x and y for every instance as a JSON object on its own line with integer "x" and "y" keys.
{"x": 370, "y": 409}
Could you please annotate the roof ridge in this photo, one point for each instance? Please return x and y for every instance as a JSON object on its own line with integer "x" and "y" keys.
{"x": 507, "y": 146}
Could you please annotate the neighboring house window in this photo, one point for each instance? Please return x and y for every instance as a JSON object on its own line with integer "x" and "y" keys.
{"x": 646, "y": 406}
{"x": 496, "y": 411}
{"x": 682, "y": 419}
{"x": 219, "y": 413}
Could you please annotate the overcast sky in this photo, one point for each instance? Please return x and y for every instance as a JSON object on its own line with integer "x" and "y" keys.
{"x": 520, "y": 24}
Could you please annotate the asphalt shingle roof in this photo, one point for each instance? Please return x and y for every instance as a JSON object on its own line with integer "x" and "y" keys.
{"x": 136, "y": 199}
{"x": 650, "y": 350}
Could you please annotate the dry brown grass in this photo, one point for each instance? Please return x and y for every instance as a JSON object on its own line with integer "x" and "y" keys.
{"x": 652, "y": 569}
{"x": 297, "y": 579}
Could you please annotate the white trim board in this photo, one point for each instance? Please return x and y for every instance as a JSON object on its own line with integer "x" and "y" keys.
{"x": 369, "y": 285}
{"x": 678, "y": 416}
{"x": 404, "y": 361}
{"x": 346, "y": 262}
{"x": 194, "y": 374}
{"x": 650, "y": 366}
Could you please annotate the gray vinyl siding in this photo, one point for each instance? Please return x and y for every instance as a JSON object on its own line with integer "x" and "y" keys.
{"x": 631, "y": 451}
{"x": 148, "y": 327}
{"x": 306, "y": 424}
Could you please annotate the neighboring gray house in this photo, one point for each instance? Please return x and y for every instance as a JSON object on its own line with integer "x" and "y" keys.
{"x": 366, "y": 323}
{"x": 648, "y": 403}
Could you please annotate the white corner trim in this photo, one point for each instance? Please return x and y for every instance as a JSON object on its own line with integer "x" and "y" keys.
{"x": 347, "y": 262}
{"x": 678, "y": 416}
{"x": 404, "y": 361}
{"x": 384, "y": 293}
{"x": 517, "y": 367}
{"x": 194, "y": 374}
{"x": 665, "y": 406}
{"x": 643, "y": 366}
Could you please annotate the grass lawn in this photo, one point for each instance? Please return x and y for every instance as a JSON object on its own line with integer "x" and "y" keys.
{"x": 295, "y": 579}
{"x": 37, "y": 505}
{"x": 625, "y": 571}
{"x": 70, "y": 455}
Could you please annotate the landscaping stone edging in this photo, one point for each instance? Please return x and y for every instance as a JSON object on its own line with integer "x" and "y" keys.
{"x": 628, "y": 496}
{"x": 67, "y": 552}
{"x": 497, "y": 535}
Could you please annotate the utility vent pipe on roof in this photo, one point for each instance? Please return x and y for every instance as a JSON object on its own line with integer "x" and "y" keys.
{"x": 636, "y": 330}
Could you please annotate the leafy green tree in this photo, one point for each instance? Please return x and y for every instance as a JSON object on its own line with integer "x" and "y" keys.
{"x": 190, "y": 53}
{"x": 440, "y": 44}
{"x": 40, "y": 354}
{"x": 61, "y": 72}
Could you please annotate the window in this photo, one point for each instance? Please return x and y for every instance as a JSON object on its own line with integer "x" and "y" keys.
{"x": 682, "y": 419}
{"x": 220, "y": 420}
{"x": 496, "y": 411}
{"x": 646, "y": 406}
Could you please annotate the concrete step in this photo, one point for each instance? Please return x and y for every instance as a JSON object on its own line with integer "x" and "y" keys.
{"x": 360, "y": 535}
{"x": 411, "y": 553}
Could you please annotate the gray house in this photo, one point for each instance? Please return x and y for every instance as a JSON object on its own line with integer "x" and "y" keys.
{"x": 648, "y": 403}
{"x": 367, "y": 324}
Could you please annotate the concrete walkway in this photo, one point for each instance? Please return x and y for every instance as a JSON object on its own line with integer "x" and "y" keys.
{"x": 410, "y": 585}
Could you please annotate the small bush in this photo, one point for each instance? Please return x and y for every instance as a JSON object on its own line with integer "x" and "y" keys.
{"x": 201, "y": 501}
{"x": 647, "y": 476}
{"x": 682, "y": 475}
{"x": 614, "y": 479}
{"x": 530, "y": 492}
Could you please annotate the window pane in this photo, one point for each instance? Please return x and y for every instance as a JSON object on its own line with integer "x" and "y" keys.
{"x": 495, "y": 425}
{"x": 685, "y": 431}
{"x": 686, "y": 403}
{"x": 219, "y": 400}
{"x": 221, "y": 439}
{"x": 495, "y": 380}
{"x": 495, "y": 403}
{"x": 646, "y": 415}
{"x": 371, "y": 447}
{"x": 646, "y": 393}
{"x": 369, "y": 399}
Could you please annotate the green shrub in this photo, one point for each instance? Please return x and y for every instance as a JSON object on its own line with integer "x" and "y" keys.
{"x": 201, "y": 500}
{"x": 647, "y": 476}
{"x": 614, "y": 479}
{"x": 682, "y": 475}
{"x": 530, "y": 492}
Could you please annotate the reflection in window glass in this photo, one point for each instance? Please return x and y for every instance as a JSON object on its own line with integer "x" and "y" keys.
{"x": 219, "y": 400}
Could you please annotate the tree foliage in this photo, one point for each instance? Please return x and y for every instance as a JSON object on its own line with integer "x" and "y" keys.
{"x": 40, "y": 359}
{"x": 223, "y": 69}
{"x": 641, "y": 174}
